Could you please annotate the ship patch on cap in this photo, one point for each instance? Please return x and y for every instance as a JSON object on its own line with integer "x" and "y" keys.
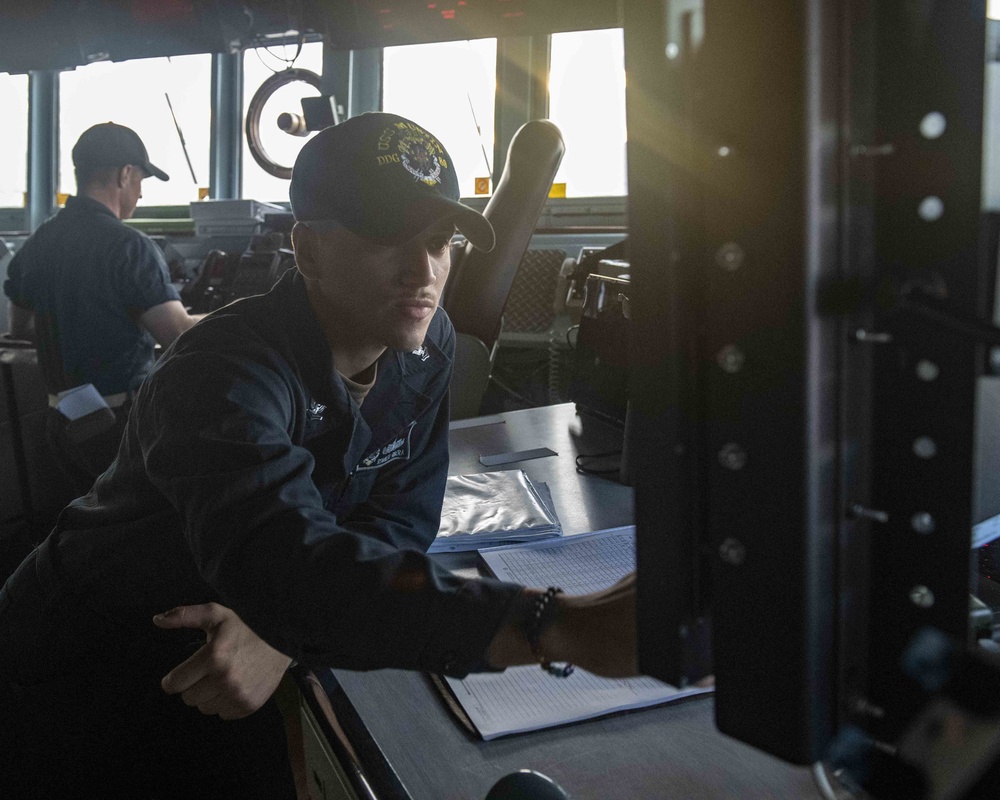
{"x": 421, "y": 154}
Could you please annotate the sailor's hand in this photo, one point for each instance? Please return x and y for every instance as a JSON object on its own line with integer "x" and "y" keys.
{"x": 233, "y": 673}
{"x": 597, "y": 631}
{"x": 594, "y": 631}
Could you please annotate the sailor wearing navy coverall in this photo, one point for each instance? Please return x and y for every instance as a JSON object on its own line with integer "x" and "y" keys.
{"x": 279, "y": 502}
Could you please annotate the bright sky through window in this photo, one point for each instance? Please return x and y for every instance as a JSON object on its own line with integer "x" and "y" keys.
{"x": 13, "y": 140}
{"x": 134, "y": 93}
{"x": 449, "y": 88}
{"x": 587, "y": 103}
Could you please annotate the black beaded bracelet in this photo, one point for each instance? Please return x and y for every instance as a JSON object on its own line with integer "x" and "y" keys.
{"x": 540, "y": 617}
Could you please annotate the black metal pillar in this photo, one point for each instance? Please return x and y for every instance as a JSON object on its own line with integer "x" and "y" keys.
{"x": 804, "y": 217}
{"x": 366, "y": 81}
{"x": 926, "y": 170}
{"x": 522, "y": 94}
{"x": 43, "y": 145}
{"x": 226, "y": 151}
{"x": 733, "y": 213}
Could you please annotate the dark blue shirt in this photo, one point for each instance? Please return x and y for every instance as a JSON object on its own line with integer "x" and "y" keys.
{"x": 247, "y": 475}
{"x": 88, "y": 277}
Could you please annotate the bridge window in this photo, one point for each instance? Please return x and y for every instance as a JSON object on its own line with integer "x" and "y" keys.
{"x": 259, "y": 64}
{"x": 13, "y": 140}
{"x": 449, "y": 88}
{"x": 135, "y": 93}
{"x": 587, "y": 102}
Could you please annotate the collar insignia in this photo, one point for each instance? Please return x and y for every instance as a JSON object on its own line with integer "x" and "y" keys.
{"x": 316, "y": 410}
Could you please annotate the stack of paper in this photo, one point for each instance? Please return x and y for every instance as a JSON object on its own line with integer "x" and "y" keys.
{"x": 526, "y": 698}
{"x": 493, "y": 508}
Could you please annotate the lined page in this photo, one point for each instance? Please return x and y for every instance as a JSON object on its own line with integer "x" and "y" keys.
{"x": 526, "y": 698}
{"x": 586, "y": 562}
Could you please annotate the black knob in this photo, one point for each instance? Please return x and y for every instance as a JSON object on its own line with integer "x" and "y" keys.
{"x": 527, "y": 784}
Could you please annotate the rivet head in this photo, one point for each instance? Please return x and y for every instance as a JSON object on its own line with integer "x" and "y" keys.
{"x": 922, "y": 597}
{"x": 927, "y": 370}
{"x": 724, "y": 151}
{"x": 730, "y": 256}
{"x": 924, "y": 447}
{"x": 922, "y": 522}
{"x": 932, "y": 125}
{"x": 732, "y": 456}
{"x": 733, "y": 551}
{"x": 731, "y": 359}
{"x": 931, "y": 208}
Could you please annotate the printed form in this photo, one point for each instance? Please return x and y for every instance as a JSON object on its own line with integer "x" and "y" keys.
{"x": 525, "y": 698}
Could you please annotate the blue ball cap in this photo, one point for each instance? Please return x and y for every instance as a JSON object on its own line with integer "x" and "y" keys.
{"x": 384, "y": 178}
{"x": 111, "y": 145}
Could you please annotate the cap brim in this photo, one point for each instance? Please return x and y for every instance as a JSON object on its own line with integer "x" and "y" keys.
{"x": 156, "y": 172}
{"x": 476, "y": 228}
{"x": 470, "y": 223}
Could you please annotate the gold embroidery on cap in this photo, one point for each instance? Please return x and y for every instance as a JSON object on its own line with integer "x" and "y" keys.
{"x": 420, "y": 153}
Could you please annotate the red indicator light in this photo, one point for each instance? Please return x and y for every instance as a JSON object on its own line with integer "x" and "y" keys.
{"x": 449, "y": 14}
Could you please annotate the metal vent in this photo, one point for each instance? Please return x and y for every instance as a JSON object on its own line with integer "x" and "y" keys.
{"x": 529, "y": 307}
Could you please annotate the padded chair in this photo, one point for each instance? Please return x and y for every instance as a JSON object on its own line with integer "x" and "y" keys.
{"x": 33, "y": 489}
{"x": 479, "y": 285}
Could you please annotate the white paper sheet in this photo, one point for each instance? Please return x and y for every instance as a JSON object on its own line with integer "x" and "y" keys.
{"x": 986, "y": 532}
{"x": 526, "y": 698}
{"x": 586, "y": 562}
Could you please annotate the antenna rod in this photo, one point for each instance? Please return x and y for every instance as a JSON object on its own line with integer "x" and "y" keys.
{"x": 489, "y": 169}
{"x": 180, "y": 135}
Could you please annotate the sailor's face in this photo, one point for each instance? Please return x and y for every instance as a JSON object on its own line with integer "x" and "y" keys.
{"x": 132, "y": 191}
{"x": 382, "y": 295}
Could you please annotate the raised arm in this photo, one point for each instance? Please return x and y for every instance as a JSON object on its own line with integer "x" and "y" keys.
{"x": 167, "y": 321}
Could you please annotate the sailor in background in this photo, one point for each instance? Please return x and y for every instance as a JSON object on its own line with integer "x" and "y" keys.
{"x": 93, "y": 295}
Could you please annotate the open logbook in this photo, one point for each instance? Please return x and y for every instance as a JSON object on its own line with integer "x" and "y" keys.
{"x": 526, "y": 698}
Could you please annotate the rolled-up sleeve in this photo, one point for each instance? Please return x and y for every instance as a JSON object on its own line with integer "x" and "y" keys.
{"x": 140, "y": 273}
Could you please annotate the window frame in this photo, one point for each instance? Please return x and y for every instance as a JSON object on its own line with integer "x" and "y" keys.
{"x": 522, "y": 99}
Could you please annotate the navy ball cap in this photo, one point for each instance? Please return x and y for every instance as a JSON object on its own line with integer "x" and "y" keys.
{"x": 111, "y": 145}
{"x": 384, "y": 178}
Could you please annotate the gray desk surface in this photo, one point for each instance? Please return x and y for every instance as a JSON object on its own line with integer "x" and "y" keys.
{"x": 673, "y": 751}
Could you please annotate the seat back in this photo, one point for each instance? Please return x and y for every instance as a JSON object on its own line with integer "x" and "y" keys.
{"x": 479, "y": 284}
{"x": 32, "y": 486}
